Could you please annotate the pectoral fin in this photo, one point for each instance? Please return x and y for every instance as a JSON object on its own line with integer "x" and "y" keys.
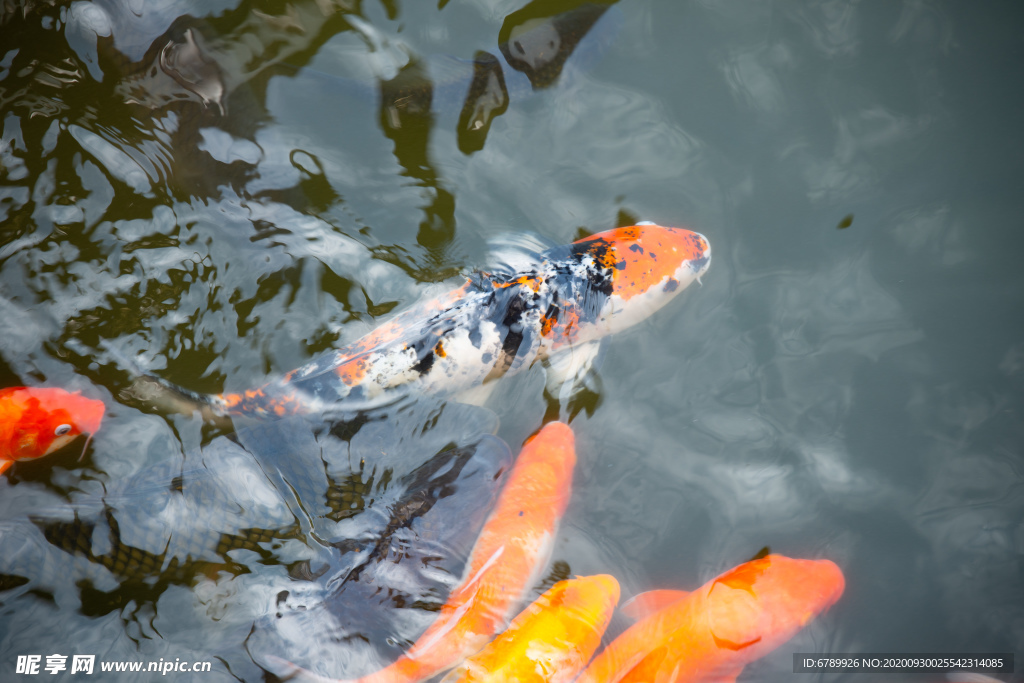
{"x": 567, "y": 369}
{"x": 478, "y": 395}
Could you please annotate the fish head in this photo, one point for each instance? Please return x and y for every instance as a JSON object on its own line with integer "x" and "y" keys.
{"x": 47, "y": 419}
{"x": 640, "y": 268}
{"x": 591, "y": 600}
{"x": 553, "y": 450}
{"x": 759, "y": 605}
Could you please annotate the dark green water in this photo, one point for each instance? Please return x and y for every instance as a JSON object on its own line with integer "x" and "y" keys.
{"x": 851, "y": 393}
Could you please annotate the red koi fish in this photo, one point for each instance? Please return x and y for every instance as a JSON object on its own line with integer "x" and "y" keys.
{"x": 551, "y": 640}
{"x": 555, "y": 312}
{"x": 37, "y": 421}
{"x": 713, "y": 632}
{"x": 512, "y": 550}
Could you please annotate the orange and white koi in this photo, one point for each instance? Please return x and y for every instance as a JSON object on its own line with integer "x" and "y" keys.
{"x": 37, "y": 421}
{"x": 556, "y": 312}
{"x": 551, "y": 640}
{"x": 713, "y": 632}
{"x": 506, "y": 561}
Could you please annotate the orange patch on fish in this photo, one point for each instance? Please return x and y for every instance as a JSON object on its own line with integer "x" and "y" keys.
{"x": 642, "y": 257}
{"x": 352, "y": 372}
{"x": 531, "y": 282}
{"x": 563, "y": 326}
{"x": 744, "y": 576}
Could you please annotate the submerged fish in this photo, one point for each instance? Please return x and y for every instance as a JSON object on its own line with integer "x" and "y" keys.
{"x": 277, "y": 492}
{"x": 37, "y": 421}
{"x": 370, "y": 610}
{"x": 551, "y": 640}
{"x": 556, "y": 312}
{"x": 512, "y": 549}
{"x": 713, "y": 632}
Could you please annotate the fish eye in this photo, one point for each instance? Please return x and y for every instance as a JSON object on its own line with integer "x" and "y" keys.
{"x": 62, "y": 430}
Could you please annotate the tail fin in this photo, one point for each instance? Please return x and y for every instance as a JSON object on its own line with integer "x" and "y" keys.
{"x": 158, "y": 393}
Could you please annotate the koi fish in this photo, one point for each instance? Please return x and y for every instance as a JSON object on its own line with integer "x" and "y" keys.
{"x": 713, "y": 632}
{"x": 36, "y": 421}
{"x": 551, "y": 640}
{"x": 555, "y": 312}
{"x": 506, "y": 561}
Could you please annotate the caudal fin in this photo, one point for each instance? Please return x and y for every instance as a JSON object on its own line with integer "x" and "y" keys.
{"x": 158, "y": 393}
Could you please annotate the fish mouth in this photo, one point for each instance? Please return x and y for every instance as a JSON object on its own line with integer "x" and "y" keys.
{"x": 701, "y": 264}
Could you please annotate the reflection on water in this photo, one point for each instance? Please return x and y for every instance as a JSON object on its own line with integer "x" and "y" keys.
{"x": 225, "y": 192}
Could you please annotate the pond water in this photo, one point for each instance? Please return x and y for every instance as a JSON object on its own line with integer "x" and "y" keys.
{"x": 219, "y": 191}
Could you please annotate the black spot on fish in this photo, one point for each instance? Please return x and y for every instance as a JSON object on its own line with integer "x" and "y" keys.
{"x": 520, "y": 513}
{"x": 598, "y": 277}
{"x": 425, "y": 363}
{"x": 487, "y": 358}
{"x": 513, "y": 322}
{"x": 671, "y": 285}
{"x": 620, "y": 265}
{"x": 637, "y": 248}
{"x": 476, "y": 337}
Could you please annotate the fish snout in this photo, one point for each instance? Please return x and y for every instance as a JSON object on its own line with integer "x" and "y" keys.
{"x": 702, "y": 260}
{"x": 831, "y": 576}
{"x": 86, "y": 413}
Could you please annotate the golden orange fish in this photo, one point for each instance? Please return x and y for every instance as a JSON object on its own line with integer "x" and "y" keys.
{"x": 713, "y": 632}
{"x": 551, "y": 640}
{"x": 37, "y": 421}
{"x": 513, "y": 548}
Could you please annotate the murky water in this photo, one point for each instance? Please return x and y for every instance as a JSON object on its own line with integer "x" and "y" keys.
{"x": 222, "y": 193}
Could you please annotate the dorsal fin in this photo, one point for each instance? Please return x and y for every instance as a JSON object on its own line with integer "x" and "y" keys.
{"x": 639, "y": 606}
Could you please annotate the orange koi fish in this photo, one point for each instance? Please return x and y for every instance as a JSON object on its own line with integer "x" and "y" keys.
{"x": 556, "y": 312}
{"x": 713, "y": 632}
{"x": 551, "y": 640}
{"x": 37, "y": 421}
{"x": 506, "y": 561}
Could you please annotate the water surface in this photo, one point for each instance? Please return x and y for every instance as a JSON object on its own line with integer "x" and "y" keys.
{"x": 221, "y": 193}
